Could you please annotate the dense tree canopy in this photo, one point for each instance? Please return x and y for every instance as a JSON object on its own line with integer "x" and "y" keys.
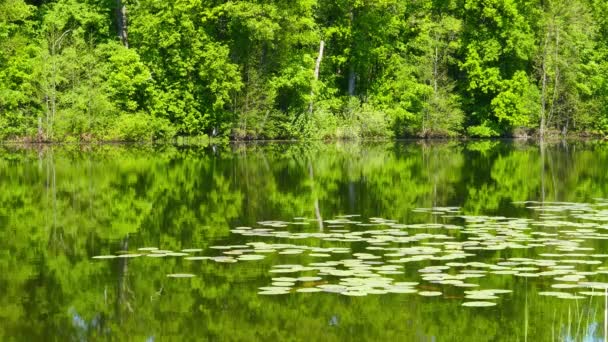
{"x": 141, "y": 70}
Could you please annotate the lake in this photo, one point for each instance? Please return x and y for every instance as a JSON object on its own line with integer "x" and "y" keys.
{"x": 377, "y": 241}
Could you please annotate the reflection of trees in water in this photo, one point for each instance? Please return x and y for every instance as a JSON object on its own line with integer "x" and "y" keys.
{"x": 60, "y": 206}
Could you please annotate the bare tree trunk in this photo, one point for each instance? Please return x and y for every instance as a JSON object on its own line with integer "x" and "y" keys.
{"x": 121, "y": 11}
{"x": 352, "y": 76}
{"x": 543, "y": 101}
{"x": 39, "y": 137}
{"x": 426, "y": 117}
{"x": 556, "y": 80}
{"x": 319, "y": 58}
{"x": 47, "y": 99}
{"x": 55, "y": 46}
{"x": 316, "y": 74}
{"x": 53, "y": 90}
{"x": 435, "y": 67}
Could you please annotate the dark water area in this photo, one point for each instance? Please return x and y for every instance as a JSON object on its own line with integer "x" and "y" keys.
{"x": 383, "y": 241}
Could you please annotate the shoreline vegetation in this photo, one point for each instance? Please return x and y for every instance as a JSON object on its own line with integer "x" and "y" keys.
{"x": 89, "y": 71}
{"x": 207, "y": 140}
{"x": 478, "y": 144}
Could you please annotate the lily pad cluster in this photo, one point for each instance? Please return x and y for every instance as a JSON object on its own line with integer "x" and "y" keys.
{"x": 357, "y": 257}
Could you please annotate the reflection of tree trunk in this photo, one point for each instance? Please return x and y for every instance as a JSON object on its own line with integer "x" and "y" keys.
{"x": 351, "y": 195}
{"x": 91, "y": 188}
{"x": 312, "y": 186}
{"x": 318, "y": 214}
{"x": 435, "y": 174}
{"x": 246, "y": 165}
{"x": 123, "y": 287}
{"x": 51, "y": 191}
{"x": 552, "y": 171}
{"x": 542, "y": 170}
{"x": 429, "y": 156}
{"x": 54, "y": 192}
{"x": 605, "y": 314}
{"x": 526, "y": 312}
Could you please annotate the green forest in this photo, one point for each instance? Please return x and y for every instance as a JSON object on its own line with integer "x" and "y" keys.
{"x": 126, "y": 70}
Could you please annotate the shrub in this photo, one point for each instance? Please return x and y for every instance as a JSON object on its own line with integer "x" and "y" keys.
{"x": 140, "y": 127}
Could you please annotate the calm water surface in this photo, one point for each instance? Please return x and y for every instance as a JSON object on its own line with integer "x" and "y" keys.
{"x": 394, "y": 235}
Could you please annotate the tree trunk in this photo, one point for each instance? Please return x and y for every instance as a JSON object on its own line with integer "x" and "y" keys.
{"x": 121, "y": 16}
{"x": 319, "y": 58}
{"x": 316, "y": 74}
{"x": 426, "y": 116}
{"x": 55, "y": 47}
{"x": 435, "y": 67}
{"x": 352, "y": 76}
{"x": 543, "y": 101}
{"x": 53, "y": 90}
{"x": 556, "y": 80}
{"x": 40, "y": 132}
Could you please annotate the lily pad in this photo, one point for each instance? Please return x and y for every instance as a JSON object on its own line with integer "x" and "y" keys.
{"x": 250, "y": 257}
{"x": 309, "y": 279}
{"x": 354, "y": 293}
{"x": 129, "y": 255}
{"x": 192, "y": 250}
{"x": 309, "y": 290}
{"x": 282, "y": 284}
{"x": 181, "y": 275}
{"x": 478, "y": 304}
{"x": 105, "y": 257}
{"x": 155, "y": 255}
{"x": 273, "y": 292}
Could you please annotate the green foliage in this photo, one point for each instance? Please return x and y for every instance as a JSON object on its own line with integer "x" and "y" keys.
{"x": 570, "y": 63}
{"x": 485, "y": 130}
{"x": 18, "y": 106}
{"x": 129, "y": 82}
{"x": 498, "y": 46}
{"x": 133, "y": 127}
{"x": 246, "y": 69}
{"x": 517, "y": 103}
{"x": 354, "y": 121}
{"x": 322, "y": 124}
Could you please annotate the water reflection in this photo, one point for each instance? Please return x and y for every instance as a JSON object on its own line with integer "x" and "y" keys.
{"x": 59, "y": 206}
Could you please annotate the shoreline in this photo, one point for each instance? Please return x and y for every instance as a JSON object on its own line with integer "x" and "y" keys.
{"x": 190, "y": 141}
